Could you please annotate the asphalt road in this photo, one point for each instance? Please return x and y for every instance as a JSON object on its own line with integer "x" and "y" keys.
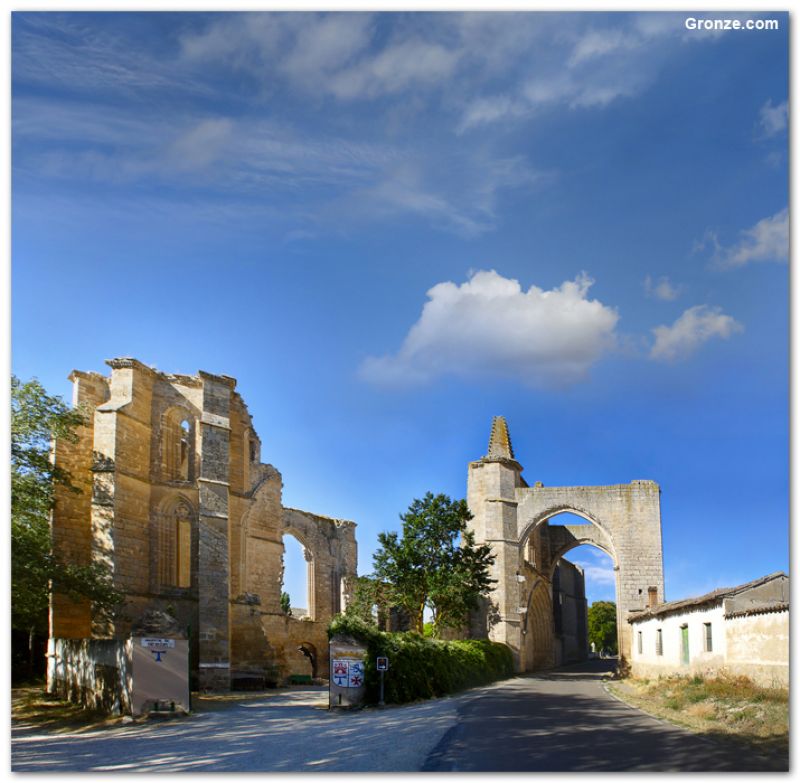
{"x": 564, "y": 720}
{"x": 561, "y": 720}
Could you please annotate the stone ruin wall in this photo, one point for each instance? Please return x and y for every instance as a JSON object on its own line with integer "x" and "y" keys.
{"x": 177, "y": 502}
{"x": 623, "y": 520}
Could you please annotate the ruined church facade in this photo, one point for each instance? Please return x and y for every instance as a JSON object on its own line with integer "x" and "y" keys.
{"x": 175, "y": 500}
{"x": 622, "y": 520}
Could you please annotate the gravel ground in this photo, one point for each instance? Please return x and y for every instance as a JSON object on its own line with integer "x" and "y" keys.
{"x": 275, "y": 733}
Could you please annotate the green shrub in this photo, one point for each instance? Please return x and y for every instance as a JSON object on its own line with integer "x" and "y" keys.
{"x": 421, "y": 668}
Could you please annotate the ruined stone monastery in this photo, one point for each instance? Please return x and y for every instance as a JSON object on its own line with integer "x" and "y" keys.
{"x": 179, "y": 505}
{"x": 190, "y": 522}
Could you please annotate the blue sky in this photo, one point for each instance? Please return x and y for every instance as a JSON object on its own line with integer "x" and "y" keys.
{"x": 391, "y": 227}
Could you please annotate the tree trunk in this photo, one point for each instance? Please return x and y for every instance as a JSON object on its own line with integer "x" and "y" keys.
{"x": 31, "y": 635}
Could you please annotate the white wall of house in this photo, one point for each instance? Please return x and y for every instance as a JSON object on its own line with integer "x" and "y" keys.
{"x": 756, "y": 645}
{"x": 649, "y": 663}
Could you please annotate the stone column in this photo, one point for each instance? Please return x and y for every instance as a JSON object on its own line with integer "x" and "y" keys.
{"x": 71, "y": 520}
{"x": 121, "y": 488}
{"x": 637, "y": 541}
{"x": 213, "y": 557}
{"x": 491, "y": 496}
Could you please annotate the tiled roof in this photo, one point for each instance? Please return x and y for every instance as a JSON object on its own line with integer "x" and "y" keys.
{"x": 781, "y": 606}
{"x": 715, "y": 596}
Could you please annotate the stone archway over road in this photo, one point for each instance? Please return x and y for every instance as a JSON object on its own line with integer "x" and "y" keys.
{"x": 512, "y": 517}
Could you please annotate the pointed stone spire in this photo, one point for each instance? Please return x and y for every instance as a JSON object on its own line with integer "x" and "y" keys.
{"x": 500, "y": 440}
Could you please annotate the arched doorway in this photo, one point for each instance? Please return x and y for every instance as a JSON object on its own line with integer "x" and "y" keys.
{"x": 309, "y": 651}
{"x": 552, "y": 588}
{"x": 600, "y": 591}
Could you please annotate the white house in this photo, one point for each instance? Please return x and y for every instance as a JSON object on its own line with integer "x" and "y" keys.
{"x": 735, "y": 630}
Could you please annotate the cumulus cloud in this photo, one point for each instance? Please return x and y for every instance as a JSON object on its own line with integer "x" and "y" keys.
{"x": 767, "y": 240}
{"x": 661, "y": 289}
{"x": 773, "y": 119}
{"x": 694, "y": 327}
{"x": 489, "y": 326}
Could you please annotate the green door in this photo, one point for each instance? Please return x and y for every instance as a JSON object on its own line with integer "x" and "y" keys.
{"x": 685, "y": 645}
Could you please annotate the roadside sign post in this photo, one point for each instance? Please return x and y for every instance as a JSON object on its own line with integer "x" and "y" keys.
{"x": 382, "y": 666}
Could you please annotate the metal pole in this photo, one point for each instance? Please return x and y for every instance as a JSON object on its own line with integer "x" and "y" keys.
{"x": 380, "y": 703}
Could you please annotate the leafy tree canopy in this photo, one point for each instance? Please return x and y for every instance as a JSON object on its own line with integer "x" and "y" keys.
{"x": 365, "y": 598}
{"x": 36, "y": 419}
{"x": 602, "y": 619}
{"x": 434, "y": 563}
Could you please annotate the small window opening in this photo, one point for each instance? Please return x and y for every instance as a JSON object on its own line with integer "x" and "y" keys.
{"x": 183, "y": 465}
{"x": 659, "y": 643}
{"x": 709, "y": 646}
{"x": 297, "y": 579}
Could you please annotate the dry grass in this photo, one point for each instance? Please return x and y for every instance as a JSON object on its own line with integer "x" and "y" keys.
{"x": 729, "y": 707}
{"x": 31, "y": 706}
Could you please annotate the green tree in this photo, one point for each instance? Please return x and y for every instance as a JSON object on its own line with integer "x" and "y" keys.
{"x": 435, "y": 563}
{"x": 286, "y": 604}
{"x": 36, "y": 419}
{"x": 365, "y": 596}
{"x": 602, "y": 619}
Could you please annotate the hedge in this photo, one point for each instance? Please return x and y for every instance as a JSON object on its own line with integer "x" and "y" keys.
{"x": 421, "y": 668}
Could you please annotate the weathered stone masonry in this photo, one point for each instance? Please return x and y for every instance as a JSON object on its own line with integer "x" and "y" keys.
{"x": 178, "y": 504}
{"x": 624, "y": 521}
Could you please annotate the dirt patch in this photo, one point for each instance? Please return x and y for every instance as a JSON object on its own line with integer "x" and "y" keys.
{"x": 32, "y": 706}
{"x": 729, "y": 708}
{"x": 213, "y": 702}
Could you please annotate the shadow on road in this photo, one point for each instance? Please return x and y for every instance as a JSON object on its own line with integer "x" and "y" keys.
{"x": 563, "y": 720}
{"x": 596, "y": 669}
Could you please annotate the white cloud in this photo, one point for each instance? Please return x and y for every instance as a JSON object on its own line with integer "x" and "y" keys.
{"x": 325, "y": 44}
{"x": 486, "y": 110}
{"x": 597, "y": 575}
{"x": 407, "y": 64}
{"x": 767, "y": 240}
{"x": 661, "y": 289}
{"x": 489, "y": 327}
{"x": 694, "y": 327}
{"x": 588, "y": 66}
{"x": 336, "y": 53}
{"x": 201, "y": 145}
{"x": 598, "y": 567}
{"x": 774, "y": 119}
{"x": 597, "y": 43}
{"x": 324, "y": 178}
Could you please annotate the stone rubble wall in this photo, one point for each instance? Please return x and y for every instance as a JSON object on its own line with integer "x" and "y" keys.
{"x": 94, "y": 672}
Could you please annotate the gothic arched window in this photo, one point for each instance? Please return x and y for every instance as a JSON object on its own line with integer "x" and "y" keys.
{"x": 177, "y": 451}
{"x": 173, "y": 547}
